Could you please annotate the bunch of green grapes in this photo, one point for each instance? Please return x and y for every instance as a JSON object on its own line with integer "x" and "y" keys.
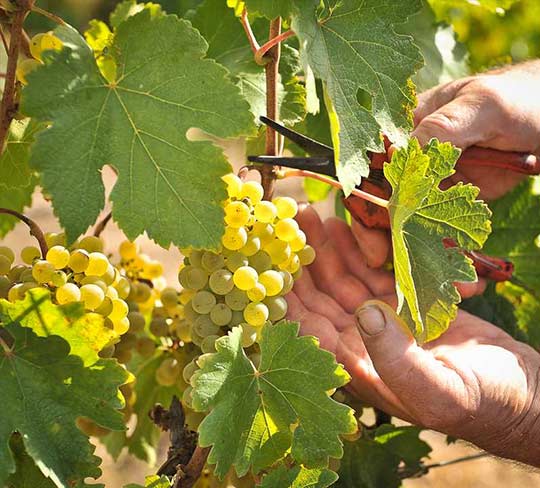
{"x": 81, "y": 273}
{"x": 245, "y": 282}
{"x": 44, "y": 41}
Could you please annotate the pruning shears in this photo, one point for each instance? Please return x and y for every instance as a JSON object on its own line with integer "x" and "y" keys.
{"x": 321, "y": 161}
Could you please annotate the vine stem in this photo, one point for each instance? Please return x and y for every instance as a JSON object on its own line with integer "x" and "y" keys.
{"x": 8, "y": 104}
{"x": 381, "y": 202}
{"x": 100, "y": 226}
{"x": 268, "y": 173}
{"x": 249, "y": 31}
{"x": 48, "y": 14}
{"x": 261, "y": 52}
{"x": 35, "y": 229}
{"x": 424, "y": 468}
{"x": 192, "y": 471}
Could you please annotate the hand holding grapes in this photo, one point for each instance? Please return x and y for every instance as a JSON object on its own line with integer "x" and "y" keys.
{"x": 474, "y": 382}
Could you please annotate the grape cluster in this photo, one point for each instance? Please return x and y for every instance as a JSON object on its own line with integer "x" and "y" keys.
{"x": 44, "y": 41}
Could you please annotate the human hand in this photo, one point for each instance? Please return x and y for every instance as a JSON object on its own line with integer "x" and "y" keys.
{"x": 498, "y": 110}
{"x": 475, "y": 382}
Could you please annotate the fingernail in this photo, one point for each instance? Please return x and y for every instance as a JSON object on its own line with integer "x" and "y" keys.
{"x": 370, "y": 320}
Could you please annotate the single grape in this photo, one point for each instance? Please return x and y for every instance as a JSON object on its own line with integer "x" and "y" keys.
{"x": 220, "y": 314}
{"x": 234, "y": 239}
{"x": 252, "y": 190}
{"x": 265, "y": 212}
{"x": 292, "y": 265}
{"x": 55, "y": 239}
{"x": 26, "y": 275}
{"x": 67, "y": 293}
{"x": 203, "y": 301}
{"x": 15, "y": 272}
{"x": 58, "y": 256}
{"x": 277, "y": 308}
{"x": 59, "y": 278}
{"x": 221, "y": 282}
{"x": 110, "y": 275}
{"x": 97, "y": 264}
{"x": 260, "y": 261}
{"x": 235, "y": 260}
{"x": 195, "y": 258}
{"x": 237, "y": 214}
{"x": 122, "y": 286}
{"x": 42, "y": 271}
{"x": 196, "y": 338}
{"x": 29, "y": 254}
{"x": 159, "y": 327}
{"x": 249, "y": 335}
{"x": 204, "y": 326}
{"x": 257, "y": 293}
{"x": 27, "y": 286}
{"x": 111, "y": 293}
{"x": 234, "y": 185}
{"x": 136, "y": 321}
{"x": 78, "y": 261}
{"x": 236, "y": 299}
{"x": 168, "y": 372}
{"x": 5, "y": 265}
{"x": 182, "y": 330}
{"x": 91, "y": 244}
{"x": 272, "y": 281}
{"x": 211, "y": 261}
{"x": 92, "y": 296}
{"x": 5, "y": 284}
{"x": 142, "y": 292}
{"x": 14, "y": 293}
{"x": 169, "y": 297}
{"x": 237, "y": 318}
{"x": 279, "y": 251}
{"x": 253, "y": 245}
{"x": 94, "y": 280}
{"x": 288, "y": 282}
{"x": 265, "y": 232}
{"x": 189, "y": 313}
{"x": 188, "y": 370}
{"x": 119, "y": 310}
{"x": 128, "y": 341}
{"x": 193, "y": 278}
{"x": 8, "y": 253}
{"x": 298, "y": 242}
{"x": 145, "y": 347}
{"x": 245, "y": 278}
{"x": 256, "y": 314}
{"x": 287, "y": 229}
{"x": 287, "y": 207}
{"x": 128, "y": 250}
{"x": 306, "y": 255}
{"x": 208, "y": 345}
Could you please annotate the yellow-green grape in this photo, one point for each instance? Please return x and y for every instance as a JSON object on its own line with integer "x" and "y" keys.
{"x": 272, "y": 281}
{"x": 211, "y": 261}
{"x": 176, "y": 312}
{"x": 277, "y": 308}
{"x": 189, "y": 369}
{"x": 221, "y": 282}
{"x": 119, "y": 310}
{"x": 136, "y": 322}
{"x": 55, "y": 239}
{"x": 257, "y": 293}
{"x": 195, "y": 258}
{"x": 142, "y": 292}
{"x": 187, "y": 401}
{"x": 24, "y": 68}
{"x": 42, "y": 271}
{"x": 292, "y": 265}
{"x": 236, "y": 299}
{"x": 237, "y": 214}
{"x": 252, "y": 190}
{"x": 189, "y": 313}
{"x": 256, "y": 314}
{"x": 5, "y": 285}
{"x": 58, "y": 256}
{"x": 265, "y": 212}
{"x": 145, "y": 347}
{"x": 44, "y": 42}
{"x": 111, "y": 292}
{"x": 29, "y": 254}
{"x": 128, "y": 250}
{"x": 234, "y": 185}
{"x": 287, "y": 207}
{"x": 59, "y": 278}
{"x": 288, "y": 282}
{"x": 186, "y": 296}
{"x": 92, "y": 296}
{"x": 5, "y": 265}
{"x": 13, "y": 293}
{"x": 208, "y": 345}
{"x": 109, "y": 276}
{"x": 235, "y": 260}
{"x": 26, "y": 275}
{"x": 105, "y": 308}
{"x": 8, "y": 253}
{"x": 298, "y": 243}
{"x": 168, "y": 372}
{"x": 183, "y": 330}
{"x": 234, "y": 239}
{"x": 123, "y": 287}
{"x": 260, "y": 261}
{"x": 193, "y": 278}
{"x": 245, "y": 278}
{"x": 204, "y": 326}
{"x": 159, "y": 327}
{"x": 203, "y": 301}
{"x": 279, "y": 251}
{"x": 252, "y": 246}
{"x": 169, "y": 297}
{"x": 27, "y": 286}
{"x": 97, "y": 264}
{"x": 78, "y": 261}
{"x": 306, "y": 255}
{"x": 15, "y": 272}
{"x": 265, "y": 232}
{"x": 195, "y": 337}
{"x": 287, "y": 229}
{"x": 220, "y": 314}
{"x": 249, "y": 335}
{"x": 91, "y": 244}
{"x": 94, "y": 280}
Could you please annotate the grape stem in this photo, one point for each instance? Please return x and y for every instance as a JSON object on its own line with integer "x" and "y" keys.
{"x": 100, "y": 226}
{"x": 381, "y": 202}
{"x": 192, "y": 471}
{"x": 35, "y": 229}
{"x": 48, "y": 14}
{"x": 249, "y": 32}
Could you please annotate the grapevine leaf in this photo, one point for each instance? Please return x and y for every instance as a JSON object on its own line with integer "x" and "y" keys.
{"x": 85, "y": 333}
{"x": 270, "y": 9}
{"x": 44, "y": 391}
{"x": 114, "y": 442}
{"x": 299, "y": 477}
{"x": 137, "y": 124}
{"x": 258, "y": 415}
{"x": 358, "y": 42}
{"x": 27, "y": 474}
{"x": 143, "y": 441}
{"x": 128, "y": 8}
{"x": 373, "y": 460}
{"x": 14, "y": 199}
{"x": 492, "y": 5}
{"x": 421, "y": 216}
{"x": 152, "y": 482}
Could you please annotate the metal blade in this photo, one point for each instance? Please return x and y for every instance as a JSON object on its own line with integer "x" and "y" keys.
{"x": 320, "y": 165}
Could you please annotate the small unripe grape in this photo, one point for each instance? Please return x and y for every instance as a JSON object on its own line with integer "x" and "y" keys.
{"x": 237, "y": 214}
{"x": 97, "y": 264}
{"x": 136, "y": 322}
{"x": 8, "y": 253}
{"x": 15, "y": 272}
{"x": 168, "y": 372}
{"x": 204, "y": 326}
{"x": 260, "y": 261}
{"x": 78, "y": 261}
{"x": 169, "y": 297}
{"x": 253, "y": 245}
{"x": 5, "y": 265}
{"x": 109, "y": 276}
{"x": 221, "y": 282}
{"x": 220, "y": 314}
{"x": 92, "y": 296}
{"x": 26, "y": 275}
{"x": 107, "y": 352}
{"x": 257, "y": 293}
{"x": 203, "y": 301}
{"x": 277, "y": 308}
{"x": 237, "y": 318}
{"x": 91, "y": 244}
{"x": 234, "y": 239}
{"x": 122, "y": 287}
{"x": 265, "y": 232}
{"x": 306, "y": 255}
{"x": 211, "y": 261}
{"x": 128, "y": 341}
{"x": 252, "y": 190}
{"x": 142, "y": 293}
{"x": 249, "y": 335}
{"x": 182, "y": 330}
{"x": 298, "y": 242}
{"x": 193, "y": 278}
{"x": 94, "y": 280}
{"x": 287, "y": 207}
{"x": 55, "y": 239}
{"x": 235, "y": 260}
{"x": 42, "y": 271}
{"x": 159, "y": 327}
{"x": 265, "y": 212}
{"x": 245, "y": 278}
{"x": 58, "y": 256}
{"x": 29, "y": 254}
{"x": 188, "y": 370}
{"x": 236, "y": 299}
{"x": 145, "y": 347}
{"x": 287, "y": 230}
{"x": 256, "y": 314}
{"x": 68, "y": 293}
{"x": 195, "y": 258}
{"x": 5, "y": 284}
{"x": 59, "y": 278}
{"x": 279, "y": 251}
{"x": 272, "y": 281}
{"x": 208, "y": 344}
{"x": 234, "y": 185}
{"x": 119, "y": 310}
{"x": 14, "y": 293}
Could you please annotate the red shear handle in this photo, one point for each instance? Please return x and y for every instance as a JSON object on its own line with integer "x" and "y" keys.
{"x": 527, "y": 164}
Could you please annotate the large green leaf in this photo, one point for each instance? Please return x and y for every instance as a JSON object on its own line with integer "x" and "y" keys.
{"x": 298, "y": 477}
{"x": 373, "y": 460}
{"x": 258, "y": 415}
{"x": 167, "y": 185}
{"x": 493, "y": 5}
{"x": 354, "y": 49}
{"x": 421, "y": 216}
{"x": 44, "y": 390}
{"x": 86, "y": 333}
{"x": 16, "y": 198}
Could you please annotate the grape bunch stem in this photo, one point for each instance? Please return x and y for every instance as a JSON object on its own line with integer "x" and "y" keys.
{"x": 35, "y": 229}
